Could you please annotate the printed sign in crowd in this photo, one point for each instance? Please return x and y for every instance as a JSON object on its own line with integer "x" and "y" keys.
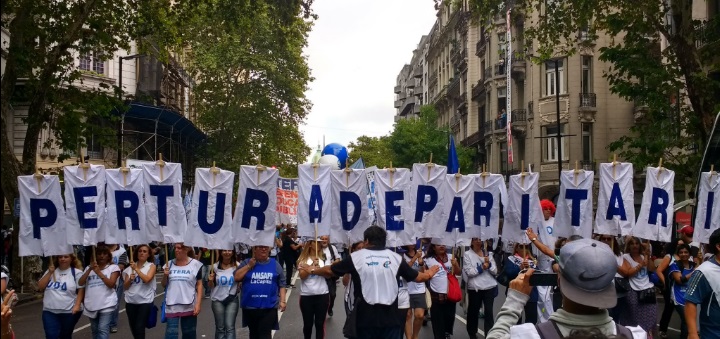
{"x": 140, "y": 205}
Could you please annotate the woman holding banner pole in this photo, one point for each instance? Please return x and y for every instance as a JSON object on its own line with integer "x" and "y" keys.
{"x": 441, "y": 310}
{"x": 225, "y": 304}
{"x": 642, "y": 305}
{"x": 416, "y": 313}
{"x": 62, "y": 300}
{"x": 314, "y": 290}
{"x": 183, "y": 280}
{"x": 480, "y": 269}
{"x": 263, "y": 292}
{"x": 139, "y": 286}
{"x": 100, "y": 299}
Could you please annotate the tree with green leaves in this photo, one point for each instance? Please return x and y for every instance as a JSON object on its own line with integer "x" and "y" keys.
{"x": 659, "y": 81}
{"x": 251, "y": 80}
{"x": 375, "y": 151}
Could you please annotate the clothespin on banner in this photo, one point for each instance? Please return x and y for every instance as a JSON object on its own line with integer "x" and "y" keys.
{"x": 215, "y": 171}
{"x": 124, "y": 170}
{"x": 522, "y": 174}
{"x": 712, "y": 172}
{"x": 392, "y": 172}
{"x": 576, "y": 172}
{"x": 429, "y": 166}
{"x": 161, "y": 164}
{"x": 483, "y": 175}
{"x": 85, "y": 166}
{"x": 457, "y": 181}
{"x": 614, "y": 165}
{"x": 38, "y": 177}
{"x": 347, "y": 171}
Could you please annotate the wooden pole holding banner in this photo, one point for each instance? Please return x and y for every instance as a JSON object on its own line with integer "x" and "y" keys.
{"x": 38, "y": 177}
{"x": 660, "y": 168}
{"x": 167, "y": 256}
{"x": 483, "y": 175}
{"x": 124, "y": 170}
{"x": 215, "y": 171}
{"x": 212, "y": 255}
{"x": 457, "y": 181}
{"x": 429, "y": 166}
{"x": 614, "y": 164}
{"x": 575, "y": 173}
{"x": 131, "y": 254}
{"x": 94, "y": 255}
{"x": 522, "y": 174}
{"x": 392, "y": 179}
{"x": 85, "y": 166}
{"x": 347, "y": 171}
{"x": 712, "y": 172}
{"x": 161, "y": 164}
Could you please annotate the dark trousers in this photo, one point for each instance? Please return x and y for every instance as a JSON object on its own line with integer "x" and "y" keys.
{"x": 683, "y": 325}
{"x": 475, "y": 300}
{"x": 443, "y": 318}
{"x": 289, "y": 263}
{"x": 332, "y": 287}
{"x": 380, "y": 333}
{"x": 261, "y": 322}
{"x": 668, "y": 308}
{"x": 313, "y": 309}
{"x": 531, "y": 313}
{"x": 59, "y": 325}
{"x": 137, "y": 318}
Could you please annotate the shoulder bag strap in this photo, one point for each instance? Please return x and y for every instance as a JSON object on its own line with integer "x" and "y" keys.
{"x": 548, "y": 330}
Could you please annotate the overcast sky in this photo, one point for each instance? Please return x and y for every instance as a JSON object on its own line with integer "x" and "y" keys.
{"x": 356, "y": 50}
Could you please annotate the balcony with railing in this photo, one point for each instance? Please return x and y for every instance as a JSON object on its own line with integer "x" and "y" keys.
{"x": 588, "y": 101}
{"x": 487, "y": 128}
{"x": 500, "y": 68}
{"x": 480, "y": 46}
{"x": 418, "y": 73}
{"x": 487, "y": 74}
{"x": 530, "y": 113}
{"x": 454, "y": 87}
{"x": 397, "y": 89}
{"x": 478, "y": 91}
{"x": 519, "y": 121}
{"x": 708, "y": 33}
{"x": 518, "y": 67}
{"x": 473, "y": 139}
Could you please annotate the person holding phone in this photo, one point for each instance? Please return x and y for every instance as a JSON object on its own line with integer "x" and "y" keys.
{"x": 480, "y": 270}
{"x": 522, "y": 259}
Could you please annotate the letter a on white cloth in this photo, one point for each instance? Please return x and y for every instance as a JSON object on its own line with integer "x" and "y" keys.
{"x": 523, "y": 209}
{"x": 575, "y": 205}
{"x": 349, "y": 189}
{"x": 457, "y": 220}
{"x": 616, "y": 200}
{"x": 169, "y": 225}
{"x": 393, "y": 208}
{"x": 128, "y": 224}
{"x": 255, "y": 211}
{"x": 315, "y": 200}
{"x": 42, "y": 225}
{"x": 425, "y": 201}
{"x": 491, "y": 186}
{"x": 655, "y": 221}
{"x": 707, "y": 217}
{"x": 85, "y": 204}
{"x": 211, "y": 213}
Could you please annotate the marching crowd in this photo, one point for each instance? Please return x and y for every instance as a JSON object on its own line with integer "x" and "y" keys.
{"x": 556, "y": 288}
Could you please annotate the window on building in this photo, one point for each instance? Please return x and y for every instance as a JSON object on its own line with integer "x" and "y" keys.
{"x": 550, "y": 85}
{"x": 550, "y": 144}
{"x": 482, "y": 69}
{"x": 501, "y": 109}
{"x": 92, "y": 62}
{"x": 586, "y": 74}
{"x": 94, "y": 149}
{"x": 503, "y": 157}
{"x": 587, "y": 142}
{"x": 481, "y": 118}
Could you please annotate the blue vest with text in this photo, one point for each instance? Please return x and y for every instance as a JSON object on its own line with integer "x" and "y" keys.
{"x": 260, "y": 286}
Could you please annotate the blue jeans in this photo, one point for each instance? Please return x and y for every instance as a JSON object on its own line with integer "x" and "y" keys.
{"x": 188, "y": 325}
{"x": 225, "y": 316}
{"x": 59, "y": 325}
{"x": 119, "y": 291}
{"x": 683, "y": 325}
{"x": 100, "y": 325}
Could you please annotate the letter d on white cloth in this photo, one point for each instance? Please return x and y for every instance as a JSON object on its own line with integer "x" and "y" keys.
{"x": 314, "y": 195}
{"x": 42, "y": 217}
{"x": 166, "y": 218}
{"x": 211, "y": 213}
{"x": 255, "y": 212}
{"x": 349, "y": 213}
{"x": 85, "y": 204}
{"x": 655, "y": 221}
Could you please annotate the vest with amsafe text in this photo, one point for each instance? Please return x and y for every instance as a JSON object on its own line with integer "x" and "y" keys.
{"x": 260, "y": 286}
{"x": 378, "y": 275}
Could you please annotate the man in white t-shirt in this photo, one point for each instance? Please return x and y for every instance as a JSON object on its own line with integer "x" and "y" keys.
{"x": 586, "y": 279}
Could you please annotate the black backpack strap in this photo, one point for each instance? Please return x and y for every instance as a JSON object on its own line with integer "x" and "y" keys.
{"x": 623, "y": 332}
{"x": 548, "y": 330}
{"x": 332, "y": 253}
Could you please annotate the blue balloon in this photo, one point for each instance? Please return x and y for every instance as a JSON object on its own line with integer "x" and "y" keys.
{"x": 337, "y": 150}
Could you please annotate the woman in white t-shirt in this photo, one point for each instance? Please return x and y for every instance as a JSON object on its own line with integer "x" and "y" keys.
{"x": 480, "y": 270}
{"x": 139, "y": 284}
{"x": 638, "y": 264}
{"x": 416, "y": 292}
{"x": 100, "y": 297}
{"x": 183, "y": 297}
{"x": 441, "y": 310}
{"x": 314, "y": 291}
{"x": 62, "y": 300}
{"x": 225, "y": 303}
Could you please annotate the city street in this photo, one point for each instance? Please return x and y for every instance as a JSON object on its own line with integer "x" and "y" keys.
{"x": 27, "y": 323}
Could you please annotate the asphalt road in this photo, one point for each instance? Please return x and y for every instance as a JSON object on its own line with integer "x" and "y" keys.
{"x": 27, "y": 321}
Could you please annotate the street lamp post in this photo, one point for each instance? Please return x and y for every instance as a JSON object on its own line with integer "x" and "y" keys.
{"x": 121, "y": 126}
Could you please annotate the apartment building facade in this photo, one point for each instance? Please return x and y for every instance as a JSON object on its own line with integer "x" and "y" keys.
{"x": 411, "y": 88}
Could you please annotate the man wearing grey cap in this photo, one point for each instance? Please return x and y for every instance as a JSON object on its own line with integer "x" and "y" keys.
{"x": 587, "y": 272}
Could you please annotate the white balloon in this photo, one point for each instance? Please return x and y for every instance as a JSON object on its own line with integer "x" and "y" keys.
{"x": 329, "y": 159}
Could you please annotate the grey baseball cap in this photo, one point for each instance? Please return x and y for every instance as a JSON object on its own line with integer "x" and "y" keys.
{"x": 587, "y": 273}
